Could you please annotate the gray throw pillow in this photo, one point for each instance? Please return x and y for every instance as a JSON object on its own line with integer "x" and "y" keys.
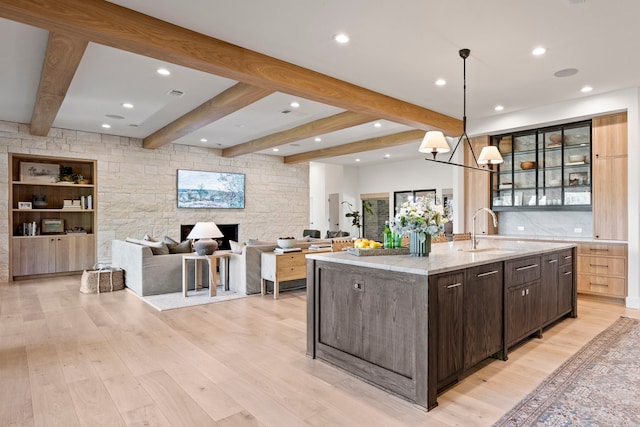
{"x": 177, "y": 248}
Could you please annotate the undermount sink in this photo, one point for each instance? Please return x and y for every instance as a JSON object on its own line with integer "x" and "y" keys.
{"x": 491, "y": 250}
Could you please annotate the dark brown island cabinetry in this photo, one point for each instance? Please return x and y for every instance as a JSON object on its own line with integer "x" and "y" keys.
{"x": 411, "y": 332}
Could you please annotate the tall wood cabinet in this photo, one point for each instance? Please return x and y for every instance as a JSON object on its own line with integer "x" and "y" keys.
{"x": 610, "y": 177}
{"x": 476, "y": 193}
{"x": 67, "y": 241}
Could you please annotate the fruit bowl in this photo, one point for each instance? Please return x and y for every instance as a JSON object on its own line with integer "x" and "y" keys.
{"x": 287, "y": 242}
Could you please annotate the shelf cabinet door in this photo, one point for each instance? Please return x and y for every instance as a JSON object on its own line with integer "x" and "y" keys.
{"x": 483, "y": 313}
{"x": 449, "y": 292}
{"x": 610, "y": 198}
{"x": 523, "y": 311}
{"x": 550, "y": 291}
{"x": 610, "y": 136}
{"x": 33, "y": 255}
{"x": 75, "y": 253}
{"x": 565, "y": 289}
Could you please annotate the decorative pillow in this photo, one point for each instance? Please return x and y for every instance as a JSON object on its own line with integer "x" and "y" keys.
{"x": 177, "y": 248}
{"x": 157, "y": 248}
{"x": 149, "y": 238}
{"x": 236, "y": 247}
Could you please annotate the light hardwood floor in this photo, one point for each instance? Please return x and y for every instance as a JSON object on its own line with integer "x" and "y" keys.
{"x": 70, "y": 359}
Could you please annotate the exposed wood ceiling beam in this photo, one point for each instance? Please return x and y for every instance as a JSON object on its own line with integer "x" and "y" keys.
{"x": 357, "y": 147}
{"x": 112, "y": 25}
{"x": 227, "y": 102}
{"x": 307, "y": 130}
{"x": 61, "y": 61}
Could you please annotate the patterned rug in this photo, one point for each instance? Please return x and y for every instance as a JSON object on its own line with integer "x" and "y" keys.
{"x": 597, "y": 386}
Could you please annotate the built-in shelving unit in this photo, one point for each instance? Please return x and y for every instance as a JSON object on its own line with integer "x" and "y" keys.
{"x": 544, "y": 169}
{"x": 58, "y": 237}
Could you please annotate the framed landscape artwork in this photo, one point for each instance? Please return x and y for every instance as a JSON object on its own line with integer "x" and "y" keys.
{"x": 210, "y": 190}
{"x": 39, "y": 172}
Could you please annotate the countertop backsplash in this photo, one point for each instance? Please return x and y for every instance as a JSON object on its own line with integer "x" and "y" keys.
{"x": 545, "y": 224}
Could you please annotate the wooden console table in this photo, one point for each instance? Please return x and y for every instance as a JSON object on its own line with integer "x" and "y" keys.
{"x": 281, "y": 268}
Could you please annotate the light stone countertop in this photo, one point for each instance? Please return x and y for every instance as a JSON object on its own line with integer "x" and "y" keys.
{"x": 444, "y": 258}
{"x": 547, "y": 238}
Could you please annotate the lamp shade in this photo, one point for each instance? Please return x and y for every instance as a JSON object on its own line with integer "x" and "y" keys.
{"x": 205, "y": 232}
{"x": 490, "y": 156}
{"x": 434, "y": 142}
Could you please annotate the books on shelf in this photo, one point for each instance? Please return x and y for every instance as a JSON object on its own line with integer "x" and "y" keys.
{"x": 84, "y": 202}
{"x": 284, "y": 251}
{"x": 320, "y": 247}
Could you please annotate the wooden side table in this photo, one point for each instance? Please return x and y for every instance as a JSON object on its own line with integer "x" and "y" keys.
{"x": 280, "y": 268}
{"x": 214, "y": 261}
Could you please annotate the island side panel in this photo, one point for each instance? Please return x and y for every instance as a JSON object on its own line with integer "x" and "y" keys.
{"x": 311, "y": 311}
{"x": 373, "y": 324}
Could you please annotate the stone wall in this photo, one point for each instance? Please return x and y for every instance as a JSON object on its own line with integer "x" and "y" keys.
{"x": 136, "y": 192}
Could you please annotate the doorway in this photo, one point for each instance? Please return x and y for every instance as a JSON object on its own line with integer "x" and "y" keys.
{"x": 373, "y": 224}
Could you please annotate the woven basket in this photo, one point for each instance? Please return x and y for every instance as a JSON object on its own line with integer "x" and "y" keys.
{"x": 102, "y": 278}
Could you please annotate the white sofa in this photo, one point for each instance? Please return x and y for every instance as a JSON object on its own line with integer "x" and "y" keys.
{"x": 149, "y": 274}
{"x": 244, "y": 268}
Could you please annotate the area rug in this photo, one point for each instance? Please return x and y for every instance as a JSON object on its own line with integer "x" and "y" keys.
{"x": 597, "y": 386}
{"x": 175, "y": 300}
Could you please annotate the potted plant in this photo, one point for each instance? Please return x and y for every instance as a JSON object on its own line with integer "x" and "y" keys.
{"x": 66, "y": 174}
{"x": 80, "y": 179}
{"x": 355, "y": 214}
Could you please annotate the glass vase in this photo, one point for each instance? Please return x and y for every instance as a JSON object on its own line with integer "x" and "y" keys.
{"x": 419, "y": 243}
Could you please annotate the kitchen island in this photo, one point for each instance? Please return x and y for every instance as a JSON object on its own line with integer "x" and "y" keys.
{"x": 413, "y": 325}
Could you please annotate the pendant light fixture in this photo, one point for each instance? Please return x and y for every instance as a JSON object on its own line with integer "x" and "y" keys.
{"x": 434, "y": 142}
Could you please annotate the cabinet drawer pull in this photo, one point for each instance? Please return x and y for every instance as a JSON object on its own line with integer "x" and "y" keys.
{"x": 568, "y": 257}
{"x": 358, "y": 287}
{"x": 553, "y": 261}
{"x": 455, "y": 285}
{"x": 568, "y": 273}
{"x": 527, "y": 291}
{"x": 599, "y": 265}
{"x": 599, "y": 250}
{"x": 523, "y": 292}
{"x": 488, "y": 273}
{"x": 527, "y": 267}
{"x": 599, "y": 284}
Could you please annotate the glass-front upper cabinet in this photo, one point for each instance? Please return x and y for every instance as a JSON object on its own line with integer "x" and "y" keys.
{"x": 546, "y": 168}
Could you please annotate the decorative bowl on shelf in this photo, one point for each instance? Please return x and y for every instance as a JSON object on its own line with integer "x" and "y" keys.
{"x": 527, "y": 165}
{"x": 555, "y": 138}
{"x": 287, "y": 242}
{"x": 576, "y": 158}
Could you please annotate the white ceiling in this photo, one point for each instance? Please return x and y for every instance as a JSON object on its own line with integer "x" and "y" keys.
{"x": 397, "y": 49}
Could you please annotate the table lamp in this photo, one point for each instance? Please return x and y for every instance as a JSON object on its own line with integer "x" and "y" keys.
{"x": 205, "y": 232}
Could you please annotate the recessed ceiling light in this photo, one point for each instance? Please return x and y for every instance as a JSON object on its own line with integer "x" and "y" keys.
{"x": 567, "y": 72}
{"x": 318, "y": 139}
{"x": 276, "y": 149}
{"x": 441, "y": 82}
{"x": 386, "y": 156}
{"x": 294, "y": 104}
{"x": 127, "y": 105}
{"x": 377, "y": 125}
{"x": 357, "y": 160}
{"x": 341, "y": 38}
{"x": 106, "y": 126}
{"x": 163, "y": 72}
{"x": 586, "y": 89}
{"x": 499, "y": 108}
{"x": 203, "y": 139}
{"x": 538, "y": 51}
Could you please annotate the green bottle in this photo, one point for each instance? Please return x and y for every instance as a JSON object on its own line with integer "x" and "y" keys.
{"x": 388, "y": 236}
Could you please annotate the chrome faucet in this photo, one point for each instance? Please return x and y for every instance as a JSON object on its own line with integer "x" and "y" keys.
{"x": 474, "y": 241}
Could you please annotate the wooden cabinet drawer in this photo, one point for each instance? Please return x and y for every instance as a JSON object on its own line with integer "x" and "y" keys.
{"x": 602, "y": 266}
{"x": 602, "y": 249}
{"x": 565, "y": 257}
{"x": 522, "y": 270}
{"x": 612, "y": 286}
{"x": 288, "y": 260}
